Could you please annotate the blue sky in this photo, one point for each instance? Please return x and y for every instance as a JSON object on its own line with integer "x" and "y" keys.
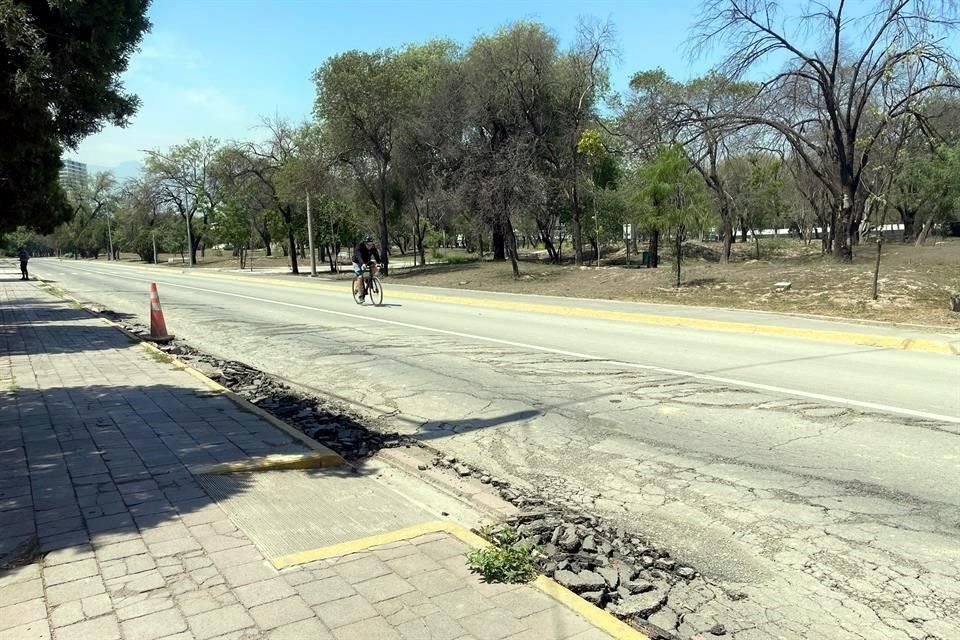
{"x": 214, "y": 67}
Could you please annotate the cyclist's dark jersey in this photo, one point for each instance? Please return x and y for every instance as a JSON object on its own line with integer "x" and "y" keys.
{"x": 362, "y": 255}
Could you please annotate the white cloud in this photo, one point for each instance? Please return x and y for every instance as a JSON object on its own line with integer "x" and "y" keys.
{"x": 161, "y": 49}
{"x": 213, "y": 101}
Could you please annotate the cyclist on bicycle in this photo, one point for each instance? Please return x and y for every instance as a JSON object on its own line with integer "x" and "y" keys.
{"x": 364, "y": 254}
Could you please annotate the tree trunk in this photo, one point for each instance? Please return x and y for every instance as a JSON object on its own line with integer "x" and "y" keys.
{"x": 384, "y": 238}
{"x": 743, "y": 230}
{"x": 499, "y": 246}
{"x": 876, "y": 268}
{"x": 544, "y": 233}
{"x": 331, "y": 258}
{"x": 423, "y": 251}
{"x": 679, "y": 251}
{"x": 727, "y": 233}
{"x": 653, "y": 249}
{"x": 510, "y": 240}
{"x": 842, "y": 230}
{"x": 294, "y": 266}
{"x": 924, "y": 231}
{"x": 908, "y": 219}
{"x": 194, "y": 246}
{"x": 577, "y": 223}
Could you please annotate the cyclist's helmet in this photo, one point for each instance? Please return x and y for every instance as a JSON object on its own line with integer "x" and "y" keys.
{"x": 367, "y": 238}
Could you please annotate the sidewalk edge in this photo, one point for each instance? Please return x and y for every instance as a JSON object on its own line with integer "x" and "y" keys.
{"x": 332, "y": 458}
{"x": 324, "y": 456}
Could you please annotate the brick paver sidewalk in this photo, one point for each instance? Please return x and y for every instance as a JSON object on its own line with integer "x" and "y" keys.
{"x": 120, "y": 541}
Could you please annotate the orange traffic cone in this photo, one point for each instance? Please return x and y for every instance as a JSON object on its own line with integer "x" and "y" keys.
{"x": 158, "y": 327}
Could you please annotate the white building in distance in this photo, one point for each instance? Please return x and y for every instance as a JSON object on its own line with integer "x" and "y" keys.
{"x": 73, "y": 173}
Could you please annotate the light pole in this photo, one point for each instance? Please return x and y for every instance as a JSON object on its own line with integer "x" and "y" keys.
{"x": 313, "y": 255}
{"x": 109, "y": 237}
{"x": 189, "y": 245}
{"x": 596, "y": 220}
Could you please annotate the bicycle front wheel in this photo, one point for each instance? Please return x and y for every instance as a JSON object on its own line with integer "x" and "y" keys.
{"x": 376, "y": 291}
{"x": 356, "y": 292}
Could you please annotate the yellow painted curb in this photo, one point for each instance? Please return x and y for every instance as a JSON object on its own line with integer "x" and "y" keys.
{"x": 923, "y": 345}
{"x": 355, "y": 546}
{"x": 599, "y": 618}
{"x": 274, "y": 462}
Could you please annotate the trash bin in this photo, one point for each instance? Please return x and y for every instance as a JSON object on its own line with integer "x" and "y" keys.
{"x": 645, "y": 258}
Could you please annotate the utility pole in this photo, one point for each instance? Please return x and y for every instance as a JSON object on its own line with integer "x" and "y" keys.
{"x": 109, "y": 237}
{"x": 334, "y": 249}
{"x": 189, "y": 244}
{"x": 596, "y": 219}
{"x": 186, "y": 216}
{"x": 313, "y": 254}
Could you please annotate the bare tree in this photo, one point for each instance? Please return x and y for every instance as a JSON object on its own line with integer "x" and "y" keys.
{"x": 187, "y": 180}
{"x": 269, "y": 162}
{"x": 898, "y": 39}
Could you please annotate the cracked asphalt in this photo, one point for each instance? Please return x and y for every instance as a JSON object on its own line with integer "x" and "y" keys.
{"x": 808, "y": 518}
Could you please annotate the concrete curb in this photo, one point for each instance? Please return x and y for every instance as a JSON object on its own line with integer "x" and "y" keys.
{"x": 275, "y": 462}
{"x": 599, "y": 618}
{"x": 322, "y": 457}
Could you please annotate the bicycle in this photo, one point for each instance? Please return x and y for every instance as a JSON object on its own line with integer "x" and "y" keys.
{"x": 371, "y": 286}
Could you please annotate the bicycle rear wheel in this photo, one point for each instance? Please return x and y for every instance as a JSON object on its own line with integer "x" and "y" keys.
{"x": 376, "y": 291}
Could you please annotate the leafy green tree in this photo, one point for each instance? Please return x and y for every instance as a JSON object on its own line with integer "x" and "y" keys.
{"x": 270, "y": 166}
{"x": 138, "y": 208}
{"x": 429, "y": 152}
{"x": 671, "y": 196}
{"x": 935, "y": 187}
{"x": 609, "y": 210}
{"x": 362, "y": 100}
{"x": 60, "y": 64}
{"x": 660, "y": 110}
{"x": 763, "y": 202}
{"x": 189, "y": 180}
{"x": 86, "y": 234}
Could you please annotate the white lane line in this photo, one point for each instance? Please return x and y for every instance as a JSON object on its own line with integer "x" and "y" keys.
{"x": 860, "y": 404}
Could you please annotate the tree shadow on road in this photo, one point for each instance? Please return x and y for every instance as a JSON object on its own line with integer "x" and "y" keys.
{"x": 445, "y": 428}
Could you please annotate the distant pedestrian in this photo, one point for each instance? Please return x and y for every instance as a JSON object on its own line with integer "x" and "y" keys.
{"x": 24, "y": 258}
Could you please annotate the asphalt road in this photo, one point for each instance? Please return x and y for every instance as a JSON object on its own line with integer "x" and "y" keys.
{"x": 820, "y": 477}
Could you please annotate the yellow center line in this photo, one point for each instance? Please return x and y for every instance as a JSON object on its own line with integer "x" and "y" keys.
{"x": 822, "y": 335}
